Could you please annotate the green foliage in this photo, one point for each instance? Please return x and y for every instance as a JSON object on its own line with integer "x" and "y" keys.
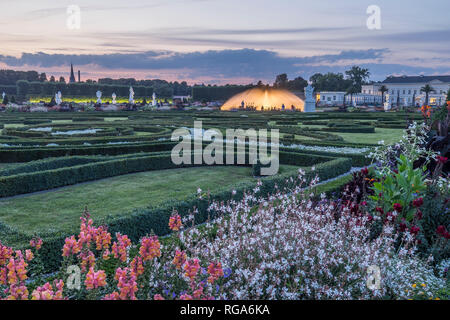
{"x": 434, "y": 214}
{"x": 213, "y": 93}
{"x": 39, "y": 88}
{"x": 400, "y": 187}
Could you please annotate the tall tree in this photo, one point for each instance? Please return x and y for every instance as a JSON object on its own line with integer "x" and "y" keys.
{"x": 358, "y": 76}
{"x": 52, "y": 79}
{"x": 297, "y": 84}
{"x": 351, "y": 91}
{"x": 281, "y": 81}
{"x": 426, "y": 89}
{"x": 62, "y": 80}
{"x": 43, "y": 77}
{"x": 330, "y": 82}
{"x": 383, "y": 90}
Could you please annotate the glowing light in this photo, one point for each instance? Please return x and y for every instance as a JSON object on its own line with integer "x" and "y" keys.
{"x": 265, "y": 99}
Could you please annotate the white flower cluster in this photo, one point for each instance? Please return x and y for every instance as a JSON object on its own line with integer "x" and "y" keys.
{"x": 343, "y": 150}
{"x": 74, "y": 132}
{"x": 412, "y": 145}
{"x": 293, "y": 248}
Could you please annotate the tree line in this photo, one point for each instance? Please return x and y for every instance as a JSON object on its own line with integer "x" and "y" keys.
{"x": 350, "y": 82}
{"x": 36, "y": 88}
{"x": 38, "y": 84}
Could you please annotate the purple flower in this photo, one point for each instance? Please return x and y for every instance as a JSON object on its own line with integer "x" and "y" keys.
{"x": 226, "y": 272}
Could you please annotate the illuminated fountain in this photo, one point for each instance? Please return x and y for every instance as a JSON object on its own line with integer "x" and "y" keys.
{"x": 265, "y": 99}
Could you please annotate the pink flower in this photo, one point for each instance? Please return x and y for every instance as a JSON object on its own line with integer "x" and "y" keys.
{"x": 70, "y": 247}
{"x": 150, "y": 248}
{"x": 120, "y": 247}
{"x": 126, "y": 283}
{"x": 29, "y": 255}
{"x": 36, "y": 243}
{"x": 175, "y": 222}
{"x": 179, "y": 259}
{"x": 215, "y": 271}
{"x": 191, "y": 267}
{"x": 46, "y": 292}
{"x": 94, "y": 279}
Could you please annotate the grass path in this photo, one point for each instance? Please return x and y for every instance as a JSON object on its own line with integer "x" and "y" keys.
{"x": 61, "y": 208}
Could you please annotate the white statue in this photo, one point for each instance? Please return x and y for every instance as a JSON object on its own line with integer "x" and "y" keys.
{"x": 114, "y": 98}
{"x": 3, "y": 95}
{"x": 58, "y": 98}
{"x": 99, "y": 96}
{"x": 154, "y": 99}
{"x": 131, "y": 99}
{"x": 310, "y": 102}
{"x": 387, "y": 103}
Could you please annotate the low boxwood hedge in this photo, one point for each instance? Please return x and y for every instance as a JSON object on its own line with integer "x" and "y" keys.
{"x": 146, "y": 220}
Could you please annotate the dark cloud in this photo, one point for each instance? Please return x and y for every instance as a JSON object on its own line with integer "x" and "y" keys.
{"x": 223, "y": 64}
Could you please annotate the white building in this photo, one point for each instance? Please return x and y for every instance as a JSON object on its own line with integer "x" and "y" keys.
{"x": 372, "y": 88}
{"x": 336, "y": 98}
{"x": 405, "y": 90}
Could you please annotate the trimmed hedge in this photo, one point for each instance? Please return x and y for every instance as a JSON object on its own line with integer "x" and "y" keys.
{"x": 29, "y": 154}
{"x": 62, "y": 172}
{"x": 146, "y": 220}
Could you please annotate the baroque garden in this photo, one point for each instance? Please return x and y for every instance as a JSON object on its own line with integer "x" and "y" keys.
{"x": 354, "y": 190}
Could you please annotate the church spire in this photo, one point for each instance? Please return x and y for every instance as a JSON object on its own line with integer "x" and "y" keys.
{"x": 72, "y": 75}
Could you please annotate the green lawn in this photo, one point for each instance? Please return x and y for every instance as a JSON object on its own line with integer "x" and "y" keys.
{"x": 61, "y": 209}
{"x": 388, "y": 135}
{"x": 116, "y": 118}
{"x": 14, "y": 125}
{"x": 62, "y": 121}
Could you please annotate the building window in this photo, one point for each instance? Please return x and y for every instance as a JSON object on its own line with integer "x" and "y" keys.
{"x": 334, "y": 98}
{"x": 409, "y": 91}
{"x": 404, "y": 91}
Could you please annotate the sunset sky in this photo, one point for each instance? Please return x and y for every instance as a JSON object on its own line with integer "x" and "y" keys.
{"x": 217, "y": 41}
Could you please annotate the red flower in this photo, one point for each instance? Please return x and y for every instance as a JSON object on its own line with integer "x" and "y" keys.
{"x": 402, "y": 227}
{"x": 365, "y": 171}
{"x": 414, "y": 230}
{"x": 380, "y": 210}
{"x": 364, "y": 203}
{"x": 441, "y": 230}
{"x": 398, "y": 207}
{"x": 419, "y": 214}
{"x": 418, "y": 202}
{"x": 370, "y": 218}
{"x": 447, "y": 235}
{"x": 442, "y": 159}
